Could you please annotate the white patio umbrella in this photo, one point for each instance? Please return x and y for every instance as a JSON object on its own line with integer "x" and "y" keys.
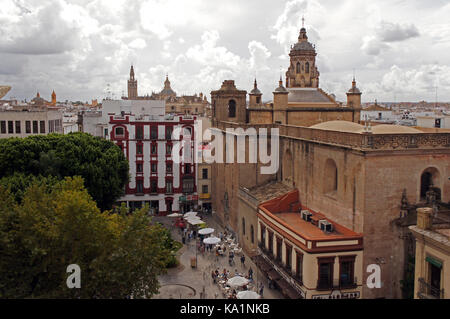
{"x": 211, "y": 240}
{"x": 195, "y": 221}
{"x": 247, "y": 294}
{"x": 174, "y": 215}
{"x": 190, "y": 214}
{"x": 206, "y": 231}
{"x": 237, "y": 281}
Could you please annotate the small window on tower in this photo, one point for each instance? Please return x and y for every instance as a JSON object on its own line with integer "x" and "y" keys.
{"x": 298, "y": 67}
{"x": 232, "y": 108}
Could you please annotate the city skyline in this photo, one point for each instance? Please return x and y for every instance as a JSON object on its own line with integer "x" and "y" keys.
{"x": 398, "y": 50}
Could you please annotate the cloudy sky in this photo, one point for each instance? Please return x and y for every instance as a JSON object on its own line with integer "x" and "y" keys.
{"x": 398, "y": 49}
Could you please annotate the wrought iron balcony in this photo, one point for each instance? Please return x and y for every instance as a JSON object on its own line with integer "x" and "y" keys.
{"x": 337, "y": 284}
{"x": 427, "y": 291}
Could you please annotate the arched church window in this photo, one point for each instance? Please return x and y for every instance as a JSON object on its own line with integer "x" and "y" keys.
{"x": 232, "y": 108}
{"x": 429, "y": 181}
{"x": 307, "y": 67}
{"x": 298, "y": 67}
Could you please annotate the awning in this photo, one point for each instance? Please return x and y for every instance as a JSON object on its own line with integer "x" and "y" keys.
{"x": 288, "y": 290}
{"x": 434, "y": 262}
{"x": 262, "y": 264}
{"x": 273, "y": 275}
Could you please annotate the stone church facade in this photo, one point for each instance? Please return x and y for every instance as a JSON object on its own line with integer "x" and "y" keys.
{"x": 368, "y": 179}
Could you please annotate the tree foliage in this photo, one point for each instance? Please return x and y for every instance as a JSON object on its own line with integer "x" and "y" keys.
{"x": 58, "y": 224}
{"x": 102, "y": 164}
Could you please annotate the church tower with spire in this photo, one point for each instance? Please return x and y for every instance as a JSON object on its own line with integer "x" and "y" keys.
{"x": 255, "y": 96}
{"x": 354, "y": 96}
{"x": 302, "y": 72}
{"x": 132, "y": 85}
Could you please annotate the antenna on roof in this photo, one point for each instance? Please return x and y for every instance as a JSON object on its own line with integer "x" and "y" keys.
{"x": 303, "y": 21}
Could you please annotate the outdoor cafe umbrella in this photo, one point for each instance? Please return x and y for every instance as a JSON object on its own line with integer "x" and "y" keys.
{"x": 247, "y": 294}
{"x": 174, "y": 215}
{"x": 206, "y": 231}
{"x": 211, "y": 240}
{"x": 195, "y": 221}
{"x": 190, "y": 214}
{"x": 237, "y": 281}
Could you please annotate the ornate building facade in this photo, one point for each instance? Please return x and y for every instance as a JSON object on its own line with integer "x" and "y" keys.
{"x": 145, "y": 134}
{"x": 353, "y": 175}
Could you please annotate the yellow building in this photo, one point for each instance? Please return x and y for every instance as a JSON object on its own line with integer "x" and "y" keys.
{"x": 432, "y": 269}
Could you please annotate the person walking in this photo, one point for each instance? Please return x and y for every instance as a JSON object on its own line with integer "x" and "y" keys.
{"x": 250, "y": 273}
{"x": 243, "y": 260}
{"x": 213, "y": 275}
{"x": 261, "y": 290}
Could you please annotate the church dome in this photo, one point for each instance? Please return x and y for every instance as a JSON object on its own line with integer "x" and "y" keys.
{"x": 354, "y": 90}
{"x": 303, "y": 46}
{"x": 340, "y": 126}
{"x": 255, "y": 92}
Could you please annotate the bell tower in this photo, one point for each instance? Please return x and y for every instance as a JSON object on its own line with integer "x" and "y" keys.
{"x": 302, "y": 72}
{"x": 229, "y": 104}
{"x": 132, "y": 85}
{"x": 354, "y": 96}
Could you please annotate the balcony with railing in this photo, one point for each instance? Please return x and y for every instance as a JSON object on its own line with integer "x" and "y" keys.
{"x": 286, "y": 273}
{"x": 428, "y": 291}
{"x": 324, "y": 285}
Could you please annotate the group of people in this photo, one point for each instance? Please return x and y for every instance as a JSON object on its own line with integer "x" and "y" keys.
{"x": 188, "y": 235}
{"x": 218, "y": 276}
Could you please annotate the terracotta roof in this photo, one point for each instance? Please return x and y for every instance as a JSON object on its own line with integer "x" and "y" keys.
{"x": 287, "y": 210}
{"x": 269, "y": 190}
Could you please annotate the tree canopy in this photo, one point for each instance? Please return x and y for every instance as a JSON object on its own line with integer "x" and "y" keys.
{"x": 56, "y": 224}
{"x": 102, "y": 164}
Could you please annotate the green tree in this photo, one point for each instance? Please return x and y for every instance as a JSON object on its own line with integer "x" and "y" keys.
{"x": 55, "y": 225}
{"x": 101, "y": 163}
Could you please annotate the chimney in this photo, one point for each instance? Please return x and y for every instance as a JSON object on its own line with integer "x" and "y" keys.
{"x": 424, "y": 218}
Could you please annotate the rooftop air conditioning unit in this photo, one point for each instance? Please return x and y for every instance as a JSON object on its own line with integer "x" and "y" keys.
{"x": 306, "y": 215}
{"x": 325, "y": 226}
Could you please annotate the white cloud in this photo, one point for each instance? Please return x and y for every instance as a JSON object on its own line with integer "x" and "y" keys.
{"x": 208, "y": 53}
{"x": 373, "y": 46}
{"x": 395, "y": 32}
{"x": 259, "y": 55}
{"x": 138, "y": 44}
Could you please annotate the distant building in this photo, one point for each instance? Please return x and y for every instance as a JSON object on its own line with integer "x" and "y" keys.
{"x": 92, "y": 122}
{"x": 376, "y": 113}
{"x": 23, "y": 121}
{"x": 434, "y": 121}
{"x": 432, "y": 263}
{"x": 185, "y": 104}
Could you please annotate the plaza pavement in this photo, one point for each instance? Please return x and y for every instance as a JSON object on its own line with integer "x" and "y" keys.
{"x": 185, "y": 282}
